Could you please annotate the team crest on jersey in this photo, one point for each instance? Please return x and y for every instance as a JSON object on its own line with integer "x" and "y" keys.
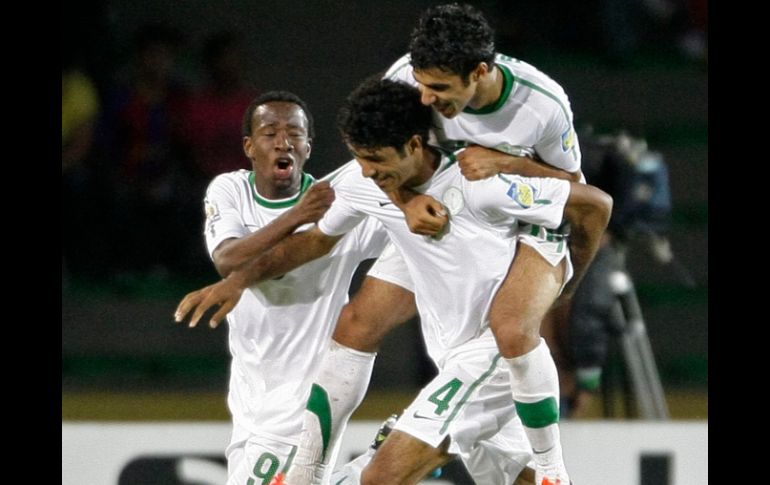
{"x": 453, "y": 200}
{"x": 523, "y": 194}
{"x": 568, "y": 140}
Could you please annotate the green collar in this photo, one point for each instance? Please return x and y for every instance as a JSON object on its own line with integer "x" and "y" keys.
{"x": 507, "y": 87}
{"x": 307, "y": 181}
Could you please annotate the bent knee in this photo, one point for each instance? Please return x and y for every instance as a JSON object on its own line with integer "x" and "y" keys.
{"x": 514, "y": 341}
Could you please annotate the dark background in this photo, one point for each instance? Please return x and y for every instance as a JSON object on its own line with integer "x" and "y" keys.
{"x": 624, "y": 64}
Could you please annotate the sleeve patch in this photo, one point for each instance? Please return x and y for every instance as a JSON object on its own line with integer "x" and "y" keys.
{"x": 212, "y": 215}
{"x": 568, "y": 140}
{"x": 212, "y": 210}
{"x": 523, "y": 194}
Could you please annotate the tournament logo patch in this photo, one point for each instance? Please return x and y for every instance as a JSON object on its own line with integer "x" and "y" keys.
{"x": 567, "y": 140}
{"x": 212, "y": 215}
{"x": 211, "y": 209}
{"x": 522, "y": 193}
{"x": 453, "y": 200}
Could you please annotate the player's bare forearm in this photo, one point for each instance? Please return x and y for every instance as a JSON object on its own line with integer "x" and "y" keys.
{"x": 292, "y": 252}
{"x": 234, "y": 253}
{"x": 285, "y": 256}
{"x": 588, "y": 212}
{"x": 477, "y": 162}
{"x": 527, "y": 167}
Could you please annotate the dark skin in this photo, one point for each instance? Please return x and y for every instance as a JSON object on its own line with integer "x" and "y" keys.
{"x": 278, "y": 147}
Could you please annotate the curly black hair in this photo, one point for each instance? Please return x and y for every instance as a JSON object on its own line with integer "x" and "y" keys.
{"x": 454, "y": 38}
{"x": 382, "y": 113}
{"x": 269, "y": 97}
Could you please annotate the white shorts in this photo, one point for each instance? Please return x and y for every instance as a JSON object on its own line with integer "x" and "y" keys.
{"x": 550, "y": 243}
{"x": 390, "y": 267}
{"x": 471, "y": 402}
{"x": 258, "y": 458}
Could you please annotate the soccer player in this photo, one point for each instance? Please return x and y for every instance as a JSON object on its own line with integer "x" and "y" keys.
{"x": 280, "y": 327}
{"x": 468, "y": 409}
{"x": 504, "y": 112}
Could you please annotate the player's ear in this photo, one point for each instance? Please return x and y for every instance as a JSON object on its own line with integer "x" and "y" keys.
{"x": 247, "y": 146}
{"x": 481, "y": 70}
{"x": 309, "y": 146}
{"x": 414, "y": 143}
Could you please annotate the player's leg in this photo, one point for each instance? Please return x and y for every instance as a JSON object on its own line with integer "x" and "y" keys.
{"x": 404, "y": 459}
{"x": 381, "y": 304}
{"x": 532, "y": 285}
{"x": 377, "y": 308}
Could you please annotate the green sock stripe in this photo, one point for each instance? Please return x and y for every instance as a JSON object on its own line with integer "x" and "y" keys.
{"x": 318, "y": 404}
{"x": 538, "y": 414}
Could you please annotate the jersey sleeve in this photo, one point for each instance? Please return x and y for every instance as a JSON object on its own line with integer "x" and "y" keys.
{"x": 558, "y": 146}
{"x": 343, "y": 215}
{"x": 401, "y": 70}
{"x": 503, "y": 200}
{"x": 372, "y": 237}
{"x": 223, "y": 219}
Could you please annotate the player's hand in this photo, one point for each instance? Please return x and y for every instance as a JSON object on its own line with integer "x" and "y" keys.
{"x": 477, "y": 162}
{"x": 314, "y": 204}
{"x": 425, "y": 215}
{"x": 225, "y": 293}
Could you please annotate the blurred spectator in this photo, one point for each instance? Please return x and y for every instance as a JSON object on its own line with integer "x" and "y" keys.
{"x": 79, "y": 111}
{"x": 153, "y": 225}
{"x": 214, "y": 118}
{"x": 80, "y": 107}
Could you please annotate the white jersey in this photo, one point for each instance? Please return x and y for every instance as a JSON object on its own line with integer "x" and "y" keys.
{"x": 532, "y": 116}
{"x": 280, "y": 328}
{"x": 456, "y": 275}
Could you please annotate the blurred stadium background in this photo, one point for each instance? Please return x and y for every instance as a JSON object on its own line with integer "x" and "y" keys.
{"x": 635, "y": 66}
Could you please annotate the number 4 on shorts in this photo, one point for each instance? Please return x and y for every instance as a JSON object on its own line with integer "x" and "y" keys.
{"x": 444, "y": 394}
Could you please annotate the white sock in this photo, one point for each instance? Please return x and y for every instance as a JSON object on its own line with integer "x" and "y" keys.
{"x": 535, "y": 387}
{"x": 342, "y": 381}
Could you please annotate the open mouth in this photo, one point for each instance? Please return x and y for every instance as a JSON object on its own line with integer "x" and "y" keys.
{"x": 283, "y": 167}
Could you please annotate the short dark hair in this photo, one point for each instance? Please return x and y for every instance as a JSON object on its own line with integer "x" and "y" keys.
{"x": 454, "y": 38}
{"x": 382, "y": 113}
{"x": 270, "y": 97}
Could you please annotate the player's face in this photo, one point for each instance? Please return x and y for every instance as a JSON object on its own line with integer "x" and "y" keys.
{"x": 388, "y": 167}
{"x": 446, "y": 92}
{"x": 278, "y": 148}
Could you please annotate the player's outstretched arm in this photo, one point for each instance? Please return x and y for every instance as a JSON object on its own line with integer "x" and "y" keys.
{"x": 477, "y": 162}
{"x": 233, "y": 253}
{"x": 285, "y": 256}
{"x": 588, "y": 212}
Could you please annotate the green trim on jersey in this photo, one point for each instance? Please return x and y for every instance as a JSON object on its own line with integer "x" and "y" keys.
{"x": 319, "y": 405}
{"x": 508, "y": 79}
{"x": 538, "y": 414}
{"x": 444, "y": 154}
{"x": 307, "y": 181}
{"x": 539, "y": 89}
